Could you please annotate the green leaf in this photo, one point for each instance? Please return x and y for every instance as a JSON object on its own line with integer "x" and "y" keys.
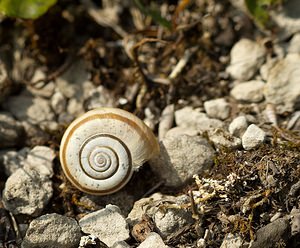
{"x": 28, "y": 9}
{"x": 154, "y": 13}
{"x": 259, "y": 10}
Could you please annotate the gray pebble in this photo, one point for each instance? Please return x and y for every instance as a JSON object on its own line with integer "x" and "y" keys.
{"x": 71, "y": 82}
{"x": 181, "y": 157}
{"x": 5, "y": 83}
{"x": 251, "y": 91}
{"x": 52, "y": 231}
{"x": 13, "y": 160}
{"x": 27, "y": 192}
{"x": 58, "y": 102}
{"x": 217, "y": 108}
{"x": 75, "y": 107}
{"x": 91, "y": 241}
{"x": 222, "y": 138}
{"x": 40, "y": 159}
{"x": 164, "y": 210}
{"x": 190, "y": 118}
{"x": 246, "y": 57}
{"x": 282, "y": 88}
{"x": 178, "y": 131}
{"x": 11, "y": 131}
{"x": 253, "y": 137}
{"x": 121, "y": 244}
{"x": 238, "y": 126}
{"x": 166, "y": 121}
{"x": 234, "y": 241}
{"x": 153, "y": 240}
{"x": 295, "y": 222}
{"x": 269, "y": 235}
{"x": 294, "y": 46}
{"x": 34, "y": 134}
{"x": 100, "y": 97}
{"x": 32, "y": 109}
{"x": 107, "y": 224}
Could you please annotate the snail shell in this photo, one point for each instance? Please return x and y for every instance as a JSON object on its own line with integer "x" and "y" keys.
{"x": 100, "y": 150}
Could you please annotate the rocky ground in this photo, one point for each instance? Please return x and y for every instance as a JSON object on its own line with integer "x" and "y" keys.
{"x": 220, "y": 91}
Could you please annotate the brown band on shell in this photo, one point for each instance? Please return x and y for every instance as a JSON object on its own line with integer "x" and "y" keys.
{"x": 99, "y": 116}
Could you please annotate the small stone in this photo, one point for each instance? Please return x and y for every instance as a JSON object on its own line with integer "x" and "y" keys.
{"x": 234, "y": 241}
{"x": 11, "y": 131}
{"x": 91, "y": 241}
{"x": 246, "y": 58}
{"x": 121, "y": 244}
{"x": 222, "y": 138}
{"x": 107, "y": 224}
{"x": 58, "y": 102}
{"x": 71, "y": 82}
{"x": 181, "y": 157}
{"x": 294, "y": 46}
{"x": 238, "y": 126}
{"x": 251, "y": 91}
{"x": 13, "y": 160}
{"x": 167, "y": 220}
{"x": 40, "y": 158}
{"x": 138, "y": 210}
{"x": 269, "y": 235}
{"x": 34, "y": 134}
{"x": 209, "y": 124}
{"x": 65, "y": 118}
{"x": 217, "y": 108}
{"x": 75, "y": 107}
{"x": 52, "y": 231}
{"x": 266, "y": 67}
{"x": 32, "y": 109}
{"x": 178, "y": 131}
{"x": 190, "y": 118}
{"x": 253, "y": 137}
{"x": 100, "y": 97}
{"x": 153, "y": 240}
{"x": 282, "y": 88}
{"x": 166, "y": 121}
{"x": 295, "y": 222}
{"x": 5, "y": 83}
{"x": 26, "y": 192}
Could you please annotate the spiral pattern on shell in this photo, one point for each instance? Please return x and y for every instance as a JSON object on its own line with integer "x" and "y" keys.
{"x": 101, "y": 149}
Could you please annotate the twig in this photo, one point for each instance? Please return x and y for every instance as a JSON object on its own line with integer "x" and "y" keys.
{"x": 182, "y": 62}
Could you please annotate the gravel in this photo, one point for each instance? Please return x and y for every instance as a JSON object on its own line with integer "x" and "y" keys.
{"x": 153, "y": 240}
{"x": 282, "y": 87}
{"x": 52, "y": 231}
{"x": 27, "y": 192}
{"x": 234, "y": 241}
{"x": 11, "y": 131}
{"x": 32, "y": 109}
{"x": 246, "y": 57}
{"x": 251, "y": 91}
{"x": 269, "y": 235}
{"x": 176, "y": 153}
{"x": 169, "y": 218}
{"x": 107, "y": 224}
{"x": 238, "y": 126}
{"x": 222, "y": 159}
{"x": 217, "y": 108}
{"x": 253, "y": 137}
